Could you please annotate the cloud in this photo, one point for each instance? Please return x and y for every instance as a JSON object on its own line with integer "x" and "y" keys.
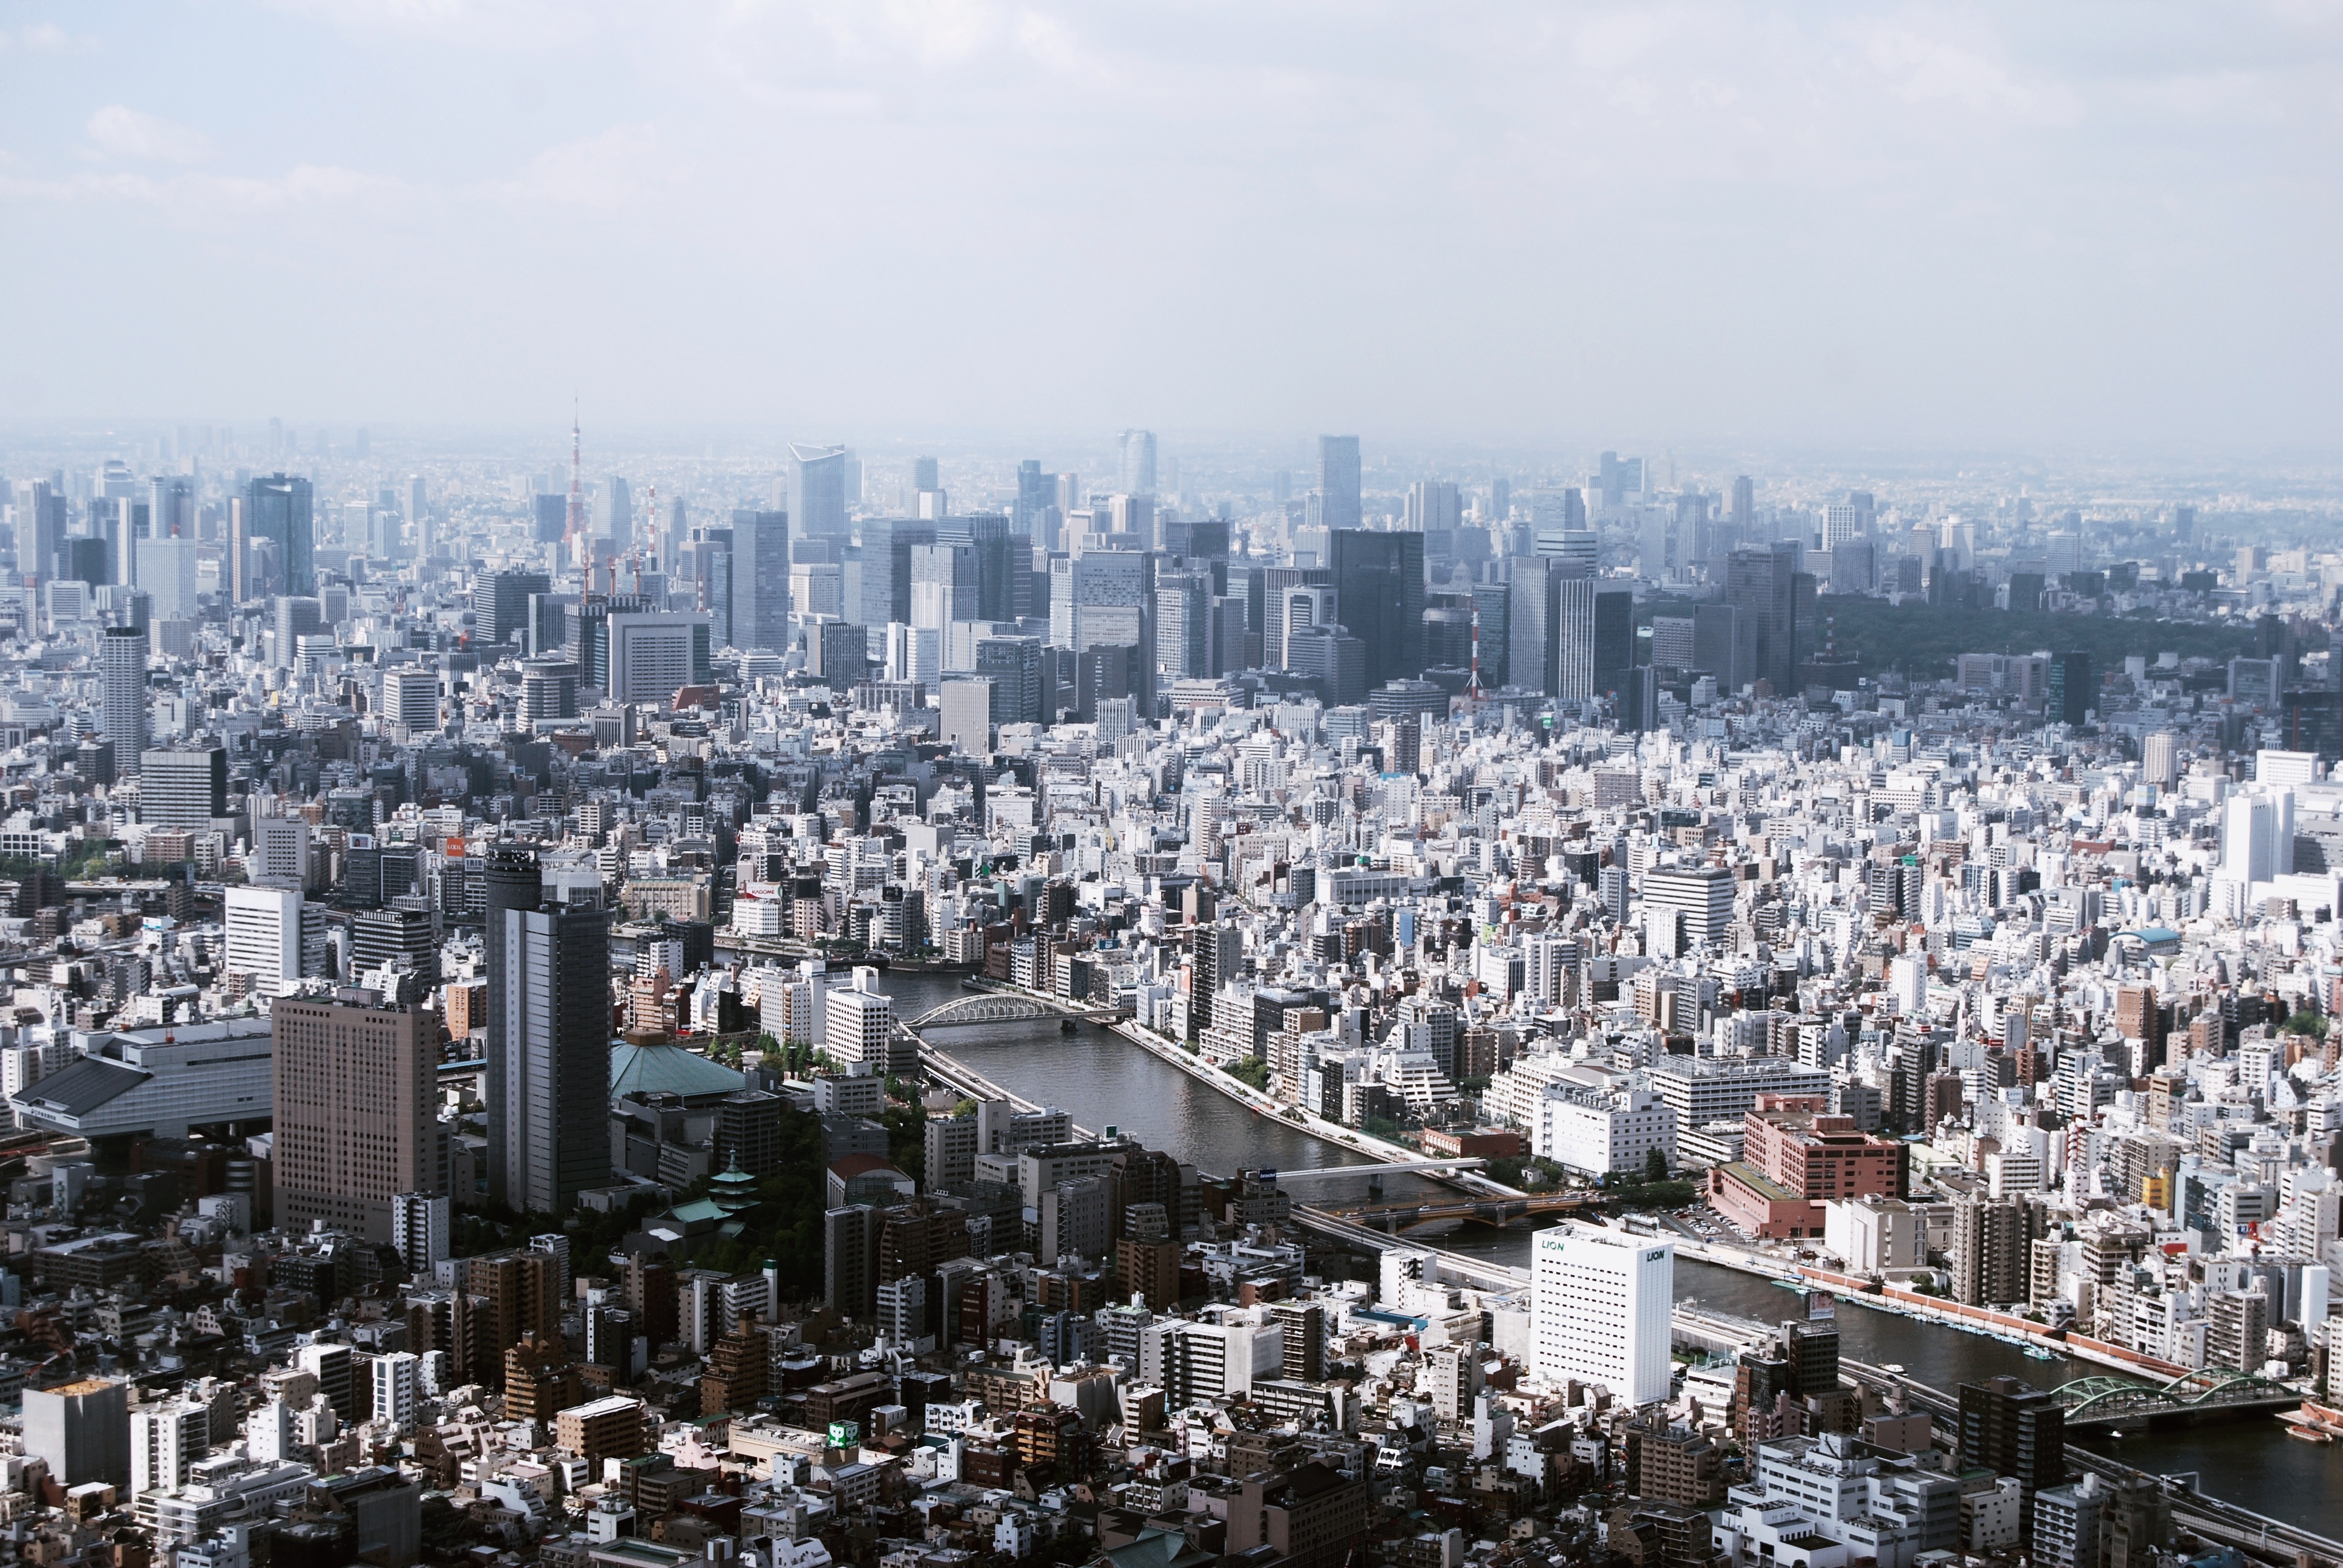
{"x": 126, "y": 133}
{"x": 199, "y": 197}
{"x": 624, "y": 163}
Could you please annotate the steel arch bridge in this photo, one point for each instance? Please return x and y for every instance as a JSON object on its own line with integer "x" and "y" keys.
{"x": 994, "y": 1007}
{"x": 2112, "y": 1398}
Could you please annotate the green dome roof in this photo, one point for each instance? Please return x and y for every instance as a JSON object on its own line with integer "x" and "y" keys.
{"x": 667, "y": 1069}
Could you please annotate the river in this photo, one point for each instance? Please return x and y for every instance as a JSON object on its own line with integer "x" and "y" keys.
{"x": 1101, "y": 1081}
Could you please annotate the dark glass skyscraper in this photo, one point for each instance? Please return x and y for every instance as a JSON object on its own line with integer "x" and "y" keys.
{"x": 279, "y": 508}
{"x": 1379, "y": 596}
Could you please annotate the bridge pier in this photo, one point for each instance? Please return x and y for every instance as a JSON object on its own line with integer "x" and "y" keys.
{"x": 1375, "y": 1188}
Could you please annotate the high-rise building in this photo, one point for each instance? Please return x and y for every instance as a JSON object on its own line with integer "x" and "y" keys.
{"x": 1379, "y": 596}
{"x": 500, "y": 602}
{"x": 761, "y": 580}
{"x": 1992, "y": 1249}
{"x": 1759, "y": 584}
{"x": 1138, "y": 469}
{"x": 419, "y": 1230}
{"x": 263, "y": 936}
{"x": 1036, "y": 493}
{"x": 1600, "y": 1311}
{"x": 122, "y": 712}
{"x": 2158, "y": 753}
{"x": 652, "y": 654}
{"x": 183, "y": 787}
{"x": 354, "y": 1089}
{"x": 944, "y": 585}
{"x": 410, "y": 696}
{"x": 1533, "y": 625}
{"x": 2072, "y": 693}
{"x": 1574, "y": 627}
{"x": 2015, "y": 1430}
{"x": 817, "y": 478}
{"x": 277, "y": 510}
{"x": 1701, "y": 895}
{"x": 1338, "y": 484}
{"x": 556, "y": 1041}
{"x": 513, "y": 881}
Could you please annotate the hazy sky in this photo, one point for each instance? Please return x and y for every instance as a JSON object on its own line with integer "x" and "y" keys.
{"x": 2027, "y": 223}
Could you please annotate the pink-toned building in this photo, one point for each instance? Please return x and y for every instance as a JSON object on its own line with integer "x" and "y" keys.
{"x": 1795, "y": 1156}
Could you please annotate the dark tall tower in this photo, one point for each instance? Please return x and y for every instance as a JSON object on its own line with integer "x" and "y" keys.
{"x": 279, "y": 508}
{"x": 556, "y": 1052}
{"x": 513, "y": 882}
{"x": 1758, "y": 583}
{"x": 1379, "y": 595}
{"x": 2012, "y": 1429}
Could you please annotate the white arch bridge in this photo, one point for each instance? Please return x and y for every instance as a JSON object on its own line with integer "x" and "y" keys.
{"x": 997, "y": 1006}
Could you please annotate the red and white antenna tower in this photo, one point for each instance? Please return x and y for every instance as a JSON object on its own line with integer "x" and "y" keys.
{"x": 1472, "y": 686}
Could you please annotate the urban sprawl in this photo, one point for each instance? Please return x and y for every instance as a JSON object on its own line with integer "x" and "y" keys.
{"x": 462, "y": 1107}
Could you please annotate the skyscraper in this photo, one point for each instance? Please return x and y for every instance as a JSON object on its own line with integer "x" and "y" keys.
{"x": 278, "y": 508}
{"x": 1338, "y": 482}
{"x": 1758, "y": 583}
{"x": 2072, "y": 692}
{"x": 355, "y": 1085}
{"x": 761, "y": 579}
{"x": 2012, "y": 1429}
{"x": 121, "y": 715}
{"x": 1601, "y": 1301}
{"x": 1574, "y": 678}
{"x": 1534, "y": 620}
{"x": 817, "y": 491}
{"x": 1037, "y": 492}
{"x": 1379, "y": 593}
{"x": 514, "y": 882}
{"x": 557, "y": 1056}
{"x": 1138, "y": 462}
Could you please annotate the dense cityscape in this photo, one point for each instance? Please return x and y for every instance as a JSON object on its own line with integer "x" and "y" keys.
{"x": 516, "y": 959}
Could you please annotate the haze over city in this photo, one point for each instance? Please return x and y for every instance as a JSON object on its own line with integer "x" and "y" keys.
{"x": 2004, "y": 226}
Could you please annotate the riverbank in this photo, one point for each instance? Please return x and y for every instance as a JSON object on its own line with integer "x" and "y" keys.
{"x": 2007, "y": 1327}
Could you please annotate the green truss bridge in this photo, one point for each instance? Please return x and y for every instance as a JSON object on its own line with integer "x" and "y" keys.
{"x": 2127, "y": 1402}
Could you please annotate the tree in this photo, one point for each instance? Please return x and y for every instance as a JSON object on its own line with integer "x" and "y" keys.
{"x": 1249, "y": 1071}
{"x": 1656, "y": 1166}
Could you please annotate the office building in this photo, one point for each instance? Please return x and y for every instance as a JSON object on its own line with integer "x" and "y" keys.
{"x": 816, "y": 495}
{"x": 654, "y": 654}
{"x": 1601, "y": 1300}
{"x": 1379, "y": 596}
{"x": 81, "y": 1431}
{"x": 184, "y": 787}
{"x": 264, "y": 937}
{"x": 500, "y": 603}
{"x": 355, "y": 1091}
{"x": 967, "y": 713}
{"x": 122, "y": 704}
{"x": 1574, "y": 628}
{"x": 1759, "y": 584}
{"x": 858, "y": 1028}
{"x": 410, "y": 696}
{"x": 555, "y": 1039}
{"x": 1138, "y": 465}
{"x": 2073, "y": 694}
{"x": 277, "y": 518}
{"x": 760, "y": 580}
{"x": 944, "y": 585}
{"x": 1701, "y": 895}
{"x": 548, "y": 689}
{"x": 1534, "y": 625}
{"x": 1338, "y": 484}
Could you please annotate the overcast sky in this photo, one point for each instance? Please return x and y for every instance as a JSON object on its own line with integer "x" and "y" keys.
{"x": 2021, "y": 224}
